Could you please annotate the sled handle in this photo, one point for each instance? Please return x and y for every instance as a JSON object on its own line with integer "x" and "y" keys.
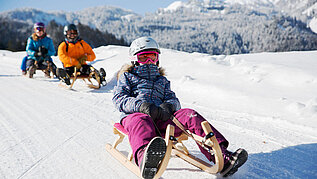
{"x": 216, "y": 148}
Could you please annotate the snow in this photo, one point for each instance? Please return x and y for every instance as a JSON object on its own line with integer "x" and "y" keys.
{"x": 311, "y": 10}
{"x": 194, "y": 4}
{"x": 313, "y": 24}
{"x": 174, "y": 6}
{"x": 248, "y": 2}
{"x": 264, "y": 102}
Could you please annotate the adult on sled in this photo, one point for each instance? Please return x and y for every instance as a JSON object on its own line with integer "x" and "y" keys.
{"x": 147, "y": 103}
{"x": 39, "y": 50}
{"x": 73, "y": 52}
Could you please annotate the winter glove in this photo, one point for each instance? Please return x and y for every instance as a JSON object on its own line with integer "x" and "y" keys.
{"x": 38, "y": 54}
{"x": 82, "y": 59}
{"x": 149, "y": 109}
{"x": 166, "y": 111}
{"x": 43, "y": 50}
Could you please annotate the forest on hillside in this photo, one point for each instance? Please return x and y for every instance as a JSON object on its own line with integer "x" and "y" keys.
{"x": 14, "y": 35}
{"x": 199, "y": 27}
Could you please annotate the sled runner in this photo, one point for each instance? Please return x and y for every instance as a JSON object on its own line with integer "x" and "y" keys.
{"x": 92, "y": 75}
{"x": 128, "y": 161}
{"x": 32, "y": 70}
{"x": 49, "y": 70}
{"x": 175, "y": 146}
{"x": 88, "y": 79}
{"x": 209, "y": 142}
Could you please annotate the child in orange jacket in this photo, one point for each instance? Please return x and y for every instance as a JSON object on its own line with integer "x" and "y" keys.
{"x": 73, "y": 53}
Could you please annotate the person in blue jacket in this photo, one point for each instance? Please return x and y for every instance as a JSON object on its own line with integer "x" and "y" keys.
{"x": 23, "y": 65}
{"x": 39, "y": 50}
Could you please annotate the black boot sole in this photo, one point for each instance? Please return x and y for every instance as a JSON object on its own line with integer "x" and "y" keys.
{"x": 153, "y": 156}
{"x": 62, "y": 75}
{"x": 103, "y": 74}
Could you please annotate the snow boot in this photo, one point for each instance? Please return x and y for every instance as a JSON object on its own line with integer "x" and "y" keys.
{"x": 102, "y": 74}
{"x": 63, "y": 76}
{"x": 234, "y": 161}
{"x": 46, "y": 73}
{"x": 152, "y": 157}
{"x": 52, "y": 69}
{"x": 31, "y": 71}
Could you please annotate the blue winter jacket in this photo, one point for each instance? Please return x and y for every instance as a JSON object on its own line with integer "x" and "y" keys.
{"x": 142, "y": 84}
{"x": 32, "y": 46}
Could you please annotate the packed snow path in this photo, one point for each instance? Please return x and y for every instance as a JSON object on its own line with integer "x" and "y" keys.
{"x": 265, "y": 103}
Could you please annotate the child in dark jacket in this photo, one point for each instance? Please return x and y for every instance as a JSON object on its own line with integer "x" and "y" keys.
{"x": 147, "y": 103}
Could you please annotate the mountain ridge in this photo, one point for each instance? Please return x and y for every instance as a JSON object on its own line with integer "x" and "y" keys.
{"x": 214, "y": 27}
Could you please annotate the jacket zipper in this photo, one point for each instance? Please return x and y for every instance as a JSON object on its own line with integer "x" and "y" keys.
{"x": 149, "y": 75}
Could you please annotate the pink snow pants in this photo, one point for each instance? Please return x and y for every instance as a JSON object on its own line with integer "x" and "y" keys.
{"x": 141, "y": 129}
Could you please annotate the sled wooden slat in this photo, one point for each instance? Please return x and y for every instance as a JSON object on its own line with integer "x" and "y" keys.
{"x": 76, "y": 75}
{"x": 216, "y": 149}
{"x": 127, "y": 160}
{"x": 193, "y": 160}
{"x": 169, "y": 133}
{"x": 123, "y": 160}
{"x": 212, "y": 142}
{"x": 213, "y": 169}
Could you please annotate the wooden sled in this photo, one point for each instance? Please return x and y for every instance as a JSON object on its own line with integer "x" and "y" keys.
{"x": 46, "y": 71}
{"x": 175, "y": 146}
{"x": 86, "y": 78}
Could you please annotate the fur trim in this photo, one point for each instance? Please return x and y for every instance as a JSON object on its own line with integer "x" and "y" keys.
{"x": 124, "y": 68}
{"x": 162, "y": 71}
{"x": 128, "y": 68}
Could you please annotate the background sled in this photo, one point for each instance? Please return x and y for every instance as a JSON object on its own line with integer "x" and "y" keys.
{"x": 175, "y": 146}
{"x": 86, "y": 78}
{"x": 48, "y": 71}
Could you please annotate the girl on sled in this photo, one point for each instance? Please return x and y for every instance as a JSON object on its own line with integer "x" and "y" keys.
{"x": 147, "y": 103}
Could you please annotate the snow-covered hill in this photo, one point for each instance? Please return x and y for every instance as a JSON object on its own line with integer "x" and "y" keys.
{"x": 264, "y": 102}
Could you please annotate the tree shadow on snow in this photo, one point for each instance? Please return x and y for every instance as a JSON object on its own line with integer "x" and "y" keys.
{"x": 291, "y": 162}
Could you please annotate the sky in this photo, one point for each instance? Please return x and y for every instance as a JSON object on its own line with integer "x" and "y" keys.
{"x": 138, "y": 6}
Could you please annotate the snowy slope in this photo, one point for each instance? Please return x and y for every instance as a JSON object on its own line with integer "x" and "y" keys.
{"x": 265, "y": 103}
